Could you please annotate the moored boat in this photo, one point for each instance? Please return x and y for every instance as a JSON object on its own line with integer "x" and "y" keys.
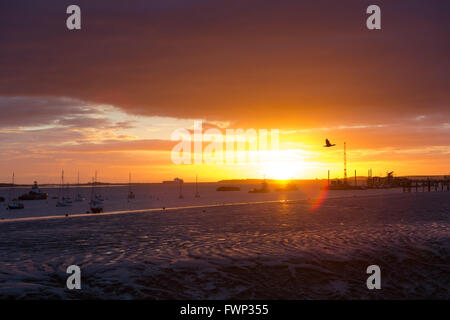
{"x": 79, "y": 197}
{"x": 175, "y": 181}
{"x": 131, "y": 194}
{"x": 264, "y": 188}
{"x": 34, "y": 194}
{"x": 96, "y": 206}
{"x": 63, "y": 201}
{"x": 96, "y": 203}
{"x": 14, "y": 204}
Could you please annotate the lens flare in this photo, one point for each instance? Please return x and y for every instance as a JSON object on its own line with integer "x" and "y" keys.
{"x": 318, "y": 201}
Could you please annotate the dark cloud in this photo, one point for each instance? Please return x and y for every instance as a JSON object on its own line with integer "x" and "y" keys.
{"x": 42, "y": 138}
{"x": 32, "y": 111}
{"x": 271, "y": 63}
{"x": 21, "y": 112}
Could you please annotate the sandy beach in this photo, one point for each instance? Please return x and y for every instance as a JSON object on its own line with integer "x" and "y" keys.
{"x": 251, "y": 251}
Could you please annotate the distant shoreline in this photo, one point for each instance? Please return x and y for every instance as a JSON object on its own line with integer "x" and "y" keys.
{"x": 227, "y": 181}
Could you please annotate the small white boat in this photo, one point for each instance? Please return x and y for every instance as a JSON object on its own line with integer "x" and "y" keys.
{"x": 64, "y": 203}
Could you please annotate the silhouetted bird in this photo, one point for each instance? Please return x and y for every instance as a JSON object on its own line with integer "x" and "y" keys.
{"x": 328, "y": 144}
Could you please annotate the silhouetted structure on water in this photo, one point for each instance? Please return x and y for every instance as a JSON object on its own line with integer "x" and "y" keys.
{"x": 423, "y": 185}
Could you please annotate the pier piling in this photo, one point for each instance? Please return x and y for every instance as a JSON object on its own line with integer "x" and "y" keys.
{"x": 437, "y": 185}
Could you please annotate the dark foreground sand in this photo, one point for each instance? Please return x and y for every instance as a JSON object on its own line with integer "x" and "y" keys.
{"x": 258, "y": 251}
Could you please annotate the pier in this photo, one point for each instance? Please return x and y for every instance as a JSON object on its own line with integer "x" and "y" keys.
{"x": 427, "y": 185}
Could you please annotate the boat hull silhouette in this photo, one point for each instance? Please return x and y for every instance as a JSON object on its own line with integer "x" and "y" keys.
{"x": 259, "y": 191}
{"x": 15, "y": 206}
{"x": 96, "y": 206}
{"x": 264, "y": 188}
{"x": 34, "y": 194}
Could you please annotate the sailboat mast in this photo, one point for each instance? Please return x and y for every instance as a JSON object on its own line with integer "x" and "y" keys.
{"x": 11, "y": 190}
{"x": 345, "y": 163}
{"x": 95, "y": 184}
{"x": 197, "y": 194}
{"x": 92, "y": 189}
{"x": 180, "y": 186}
{"x": 78, "y": 196}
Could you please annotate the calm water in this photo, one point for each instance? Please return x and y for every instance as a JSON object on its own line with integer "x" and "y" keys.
{"x": 158, "y": 196}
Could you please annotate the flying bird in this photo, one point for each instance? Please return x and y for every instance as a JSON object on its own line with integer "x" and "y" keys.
{"x": 328, "y": 144}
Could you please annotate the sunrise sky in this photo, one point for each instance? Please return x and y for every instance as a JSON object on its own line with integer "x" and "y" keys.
{"x": 108, "y": 97}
